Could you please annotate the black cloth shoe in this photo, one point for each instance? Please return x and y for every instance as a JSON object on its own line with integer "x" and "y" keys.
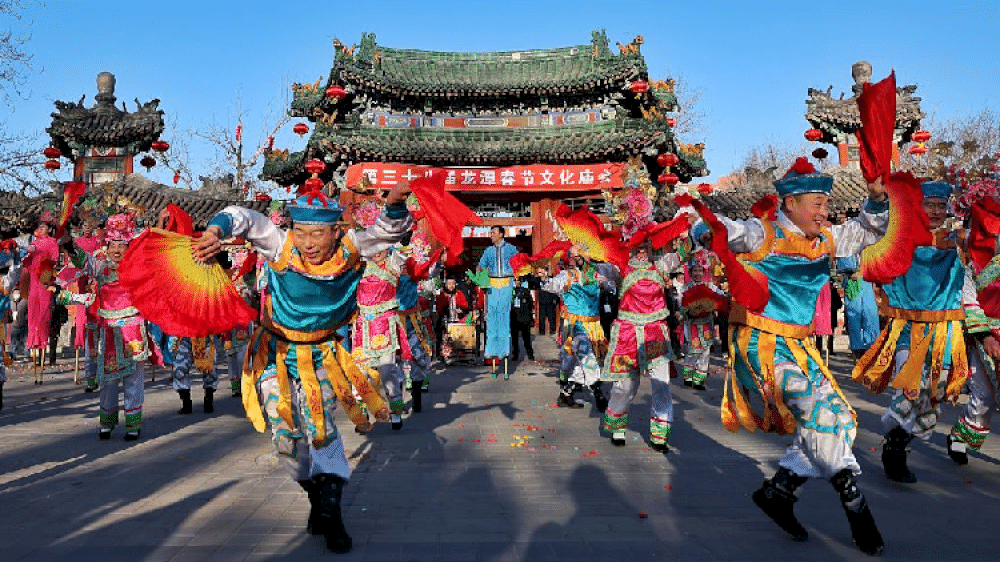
{"x": 699, "y": 386}
{"x": 132, "y": 435}
{"x": 863, "y": 529}
{"x": 416, "y": 392}
{"x": 894, "y": 456}
{"x": 957, "y": 451}
{"x": 618, "y": 439}
{"x": 600, "y": 400}
{"x": 186, "y": 406}
{"x": 315, "y": 525}
{"x": 209, "y": 403}
{"x": 660, "y": 447}
{"x": 776, "y": 498}
{"x": 330, "y": 490}
{"x": 105, "y": 434}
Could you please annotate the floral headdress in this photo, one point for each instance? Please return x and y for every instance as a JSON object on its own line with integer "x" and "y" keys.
{"x": 120, "y": 228}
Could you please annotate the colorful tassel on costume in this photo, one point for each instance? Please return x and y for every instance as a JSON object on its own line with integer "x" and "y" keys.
{"x": 179, "y": 294}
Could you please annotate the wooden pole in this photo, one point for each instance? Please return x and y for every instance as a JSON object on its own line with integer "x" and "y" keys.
{"x": 76, "y": 365}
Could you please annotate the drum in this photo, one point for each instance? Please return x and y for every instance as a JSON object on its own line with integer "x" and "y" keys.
{"x": 463, "y": 336}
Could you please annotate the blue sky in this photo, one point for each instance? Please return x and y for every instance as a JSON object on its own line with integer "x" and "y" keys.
{"x": 752, "y": 62}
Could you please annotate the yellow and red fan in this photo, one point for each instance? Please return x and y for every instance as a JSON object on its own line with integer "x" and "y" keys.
{"x": 586, "y": 231}
{"x": 661, "y": 234}
{"x": 181, "y": 295}
{"x": 45, "y": 272}
{"x": 520, "y": 263}
{"x": 748, "y": 284}
{"x": 701, "y": 301}
{"x": 71, "y": 194}
{"x": 766, "y": 207}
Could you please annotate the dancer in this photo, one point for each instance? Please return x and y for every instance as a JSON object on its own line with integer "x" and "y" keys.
{"x": 640, "y": 345}
{"x": 419, "y": 347}
{"x": 779, "y": 382}
{"x": 496, "y": 261}
{"x": 700, "y": 299}
{"x": 298, "y": 369}
{"x": 583, "y": 342}
{"x": 921, "y": 350}
{"x": 982, "y": 323}
{"x": 41, "y": 263}
{"x": 10, "y": 269}
{"x": 123, "y": 342}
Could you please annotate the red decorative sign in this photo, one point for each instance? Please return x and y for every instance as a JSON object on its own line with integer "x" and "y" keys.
{"x": 534, "y": 177}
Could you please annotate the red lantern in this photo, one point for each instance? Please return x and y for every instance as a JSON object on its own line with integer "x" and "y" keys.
{"x": 917, "y": 150}
{"x": 672, "y": 122}
{"x": 313, "y": 184}
{"x": 52, "y": 165}
{"x": 147, "y": 162}
{"x": 667, "y": 159}
{"x": 820, "y": 153}
{"x": 705, "y": 188}
{"x": 52, "y": 152}
{"x": 670, "y": 179}
{"x": 813, "y": 135}
{"x": 159, "y": 146}
{"x": 336, "y": 92}
{"x": 300, "y": 129}
{"x": 262, "y": 197}
{"x": 639, "y": 87}
{"x": 921, "y": 136}
{"x": 315, "y": 166}
{"x": 177, "y": 176}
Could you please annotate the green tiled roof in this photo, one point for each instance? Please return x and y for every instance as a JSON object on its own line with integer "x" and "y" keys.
{"x": 409, "y": 72}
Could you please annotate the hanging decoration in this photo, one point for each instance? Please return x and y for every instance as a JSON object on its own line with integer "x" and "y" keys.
{"x": 813, "y": 135}
{"x": 300, "y": 129}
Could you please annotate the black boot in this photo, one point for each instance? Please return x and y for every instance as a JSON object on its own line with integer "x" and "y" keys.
{"x": 209, "y": 400}
{"x": 957, "y": 450}
{"x": 566, "y": 399}
{"x": 600, "y": 400}
{"x": 894, "y": 456}
{"x": 863, "y": 528}
{"x": 315, "y": 525}
{"x": 777, "y": 498}
{"x": 186, "y": 407}
{"x": 330, "y": 490}
{"x": 416, "y": 392}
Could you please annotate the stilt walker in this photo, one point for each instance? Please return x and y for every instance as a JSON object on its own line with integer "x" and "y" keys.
{"x": 10, "y": 269}
{"x": 496, "y": 262}
{"x": 298, "y": 370}
{"x": 40, "y": 264}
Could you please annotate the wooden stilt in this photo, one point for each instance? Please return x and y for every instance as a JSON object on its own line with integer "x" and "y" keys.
{"x": 506, "y": 375}
{"x": 827, "y": 356}
{"x": 76, "y": 365}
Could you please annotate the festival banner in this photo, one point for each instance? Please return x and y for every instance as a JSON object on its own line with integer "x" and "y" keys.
{"x": 534, "y": 177}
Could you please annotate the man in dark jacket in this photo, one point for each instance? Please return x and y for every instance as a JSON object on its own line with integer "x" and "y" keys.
{"x": 522, "y": 318}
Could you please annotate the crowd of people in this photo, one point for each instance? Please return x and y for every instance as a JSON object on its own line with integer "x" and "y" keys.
{"x": 350, "y": 318}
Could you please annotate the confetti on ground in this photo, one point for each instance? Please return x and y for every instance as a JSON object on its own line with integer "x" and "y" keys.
{"x": 643, "y": 515}
{"x": 476, "y": 440}
{"x": 592, "y": 453}
{"x": 668, "y": 487}
{"x": 872, "y": 448}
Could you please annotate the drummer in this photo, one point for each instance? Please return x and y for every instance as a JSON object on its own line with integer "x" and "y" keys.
{"x": 452, "y": 306}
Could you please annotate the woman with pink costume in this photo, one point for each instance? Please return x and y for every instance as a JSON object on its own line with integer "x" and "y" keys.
{"x": 123, "y": 341}
{"x": 40, "y": 265}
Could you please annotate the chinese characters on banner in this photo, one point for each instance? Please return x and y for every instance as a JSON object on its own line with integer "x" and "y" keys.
{"x": 534, "y": 177}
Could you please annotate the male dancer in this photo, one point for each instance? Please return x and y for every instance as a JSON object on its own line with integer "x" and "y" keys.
{"x": 298, "y": 369}
{"x": 779, "y": 382}
{"x": 496, "y": 261}
{"x": 583, "y": 340}
{"x": 922, "y": 348}
{"x": 699, "y": 323}
{"x": 420, "y": 346}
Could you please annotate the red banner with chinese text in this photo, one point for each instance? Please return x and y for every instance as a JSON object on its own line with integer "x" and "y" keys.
{"x": 534, "y": 177}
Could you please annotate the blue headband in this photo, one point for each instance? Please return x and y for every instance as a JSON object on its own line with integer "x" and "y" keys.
{"x": 315, "y": 208}
{"x": 936, "y": 189}
{"x": 698, "y": 230}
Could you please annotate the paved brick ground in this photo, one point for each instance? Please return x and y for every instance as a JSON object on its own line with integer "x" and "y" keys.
{"x": 489, "y": 471}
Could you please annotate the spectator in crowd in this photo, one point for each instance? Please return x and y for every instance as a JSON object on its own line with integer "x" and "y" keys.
{"x": 548, "y": 305}
{"x": 522, "y": 318}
